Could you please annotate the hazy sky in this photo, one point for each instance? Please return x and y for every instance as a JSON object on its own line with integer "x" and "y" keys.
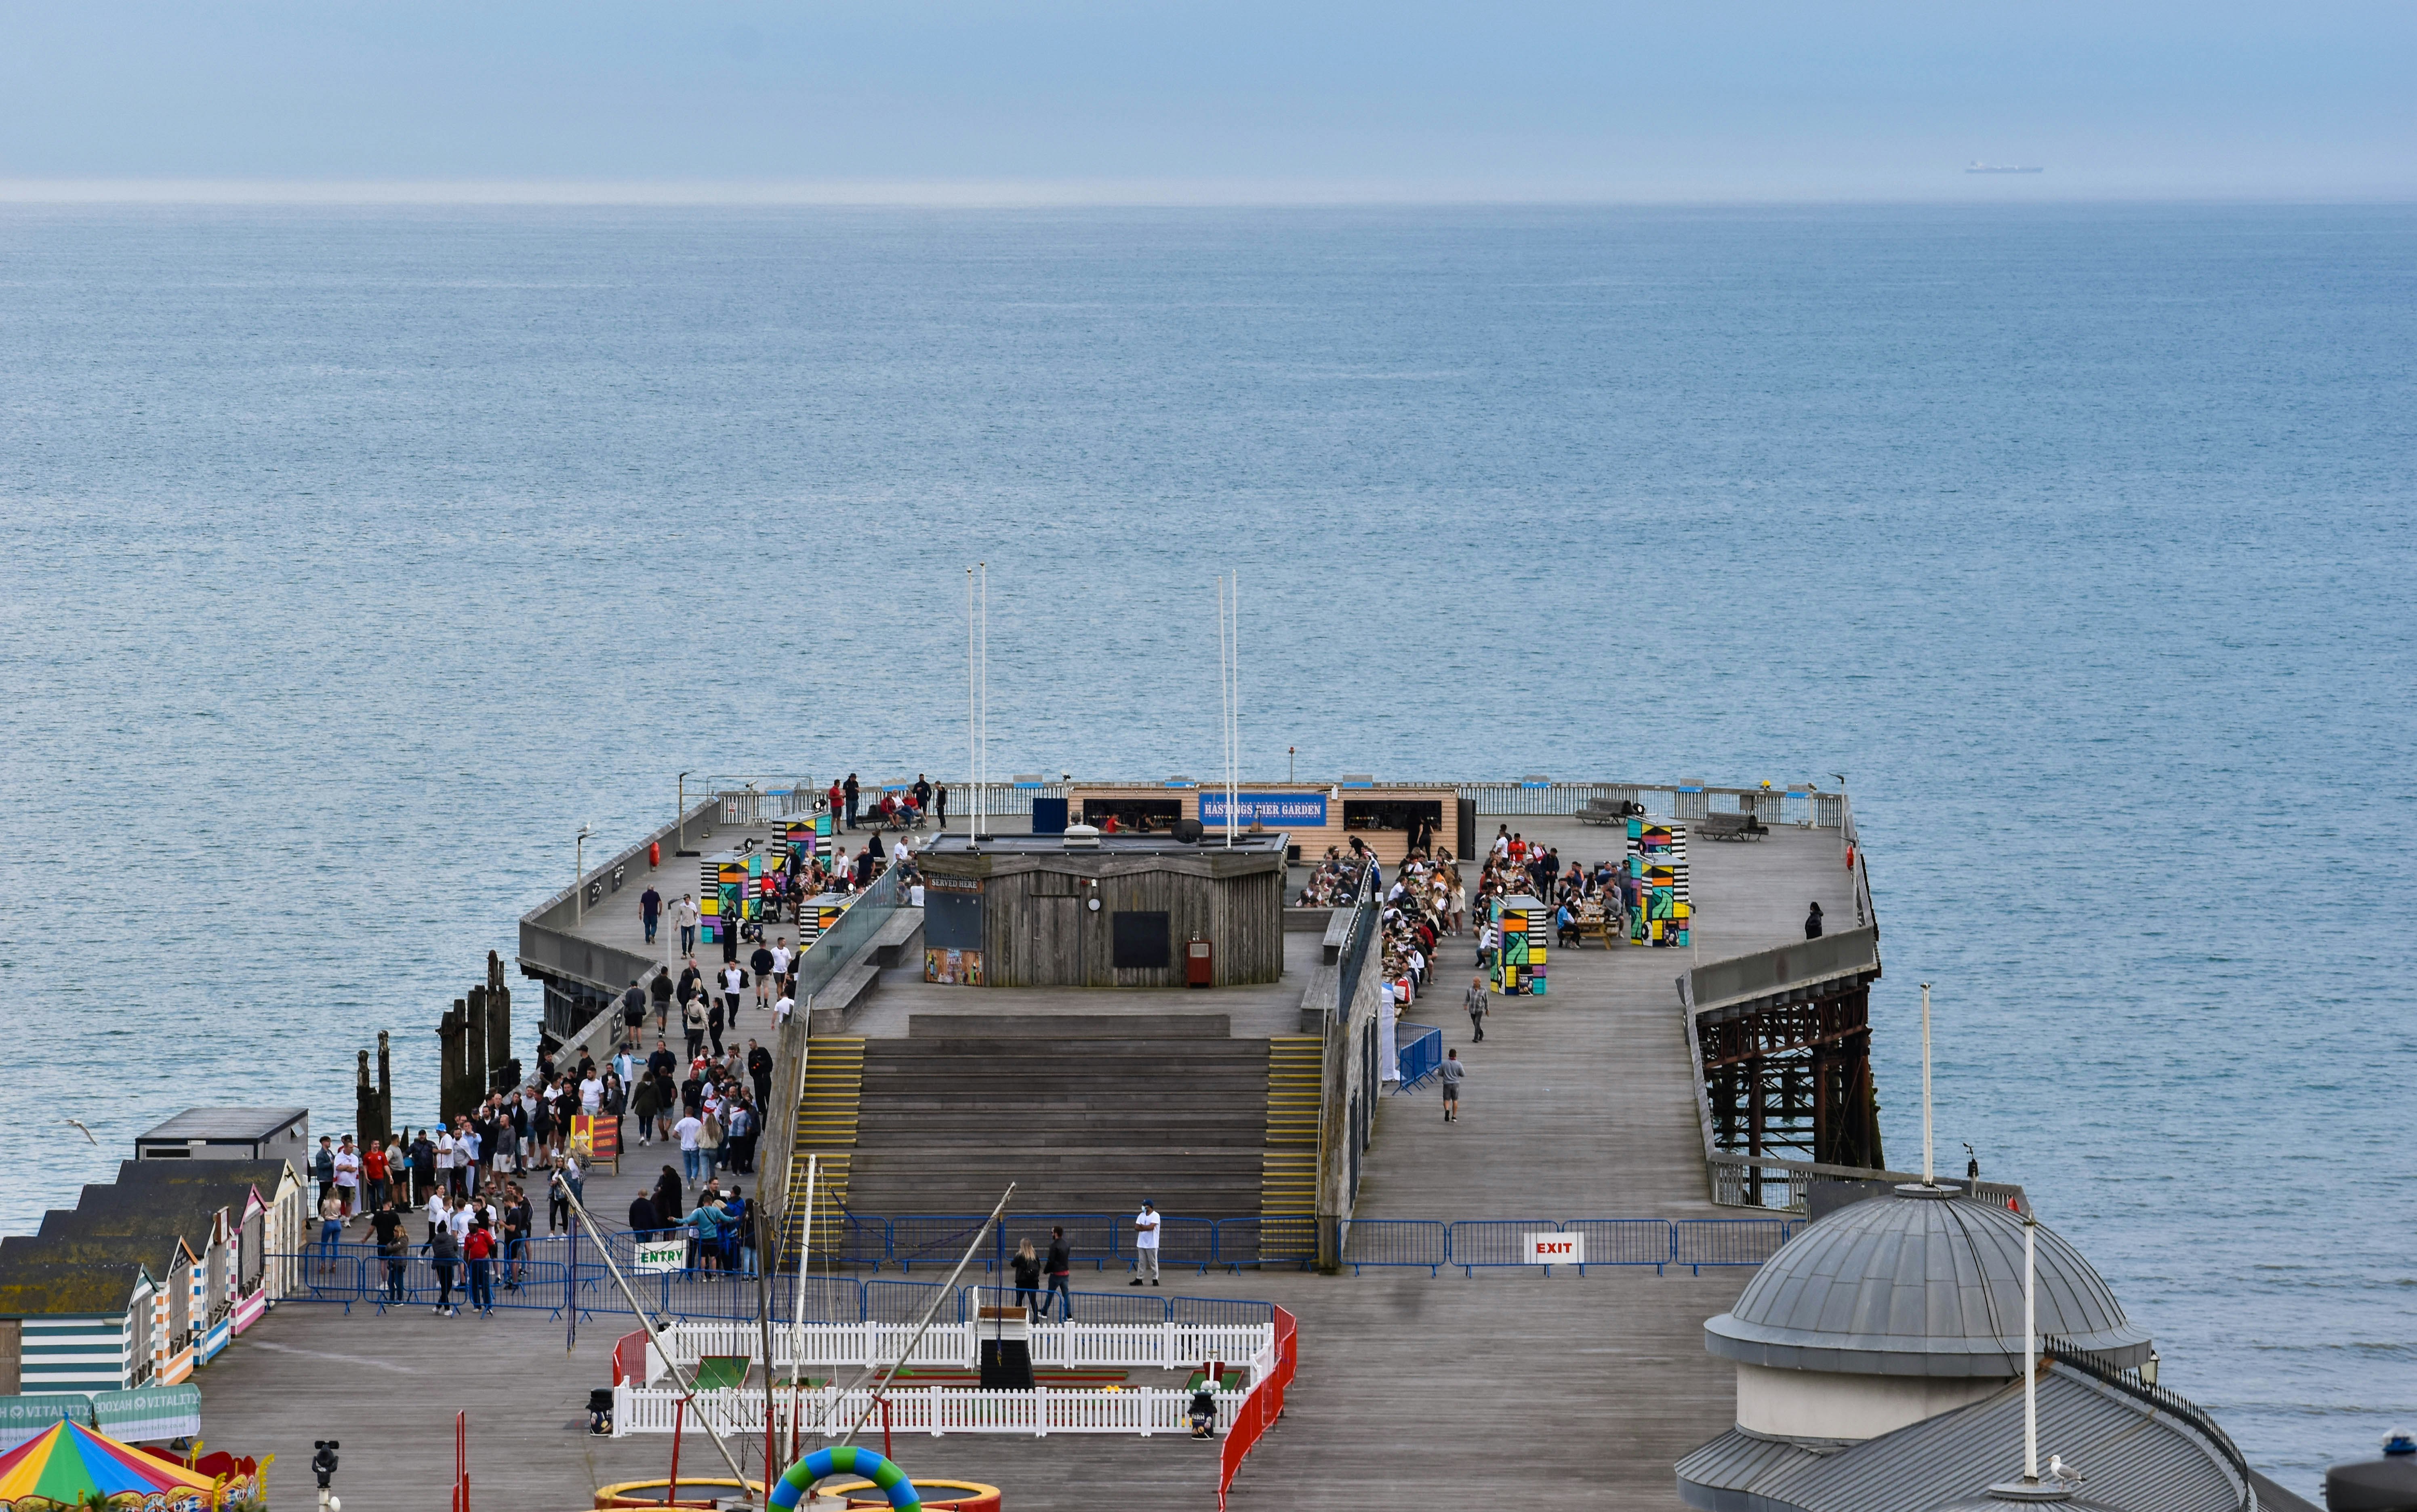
{"x": 1238, "y": 99}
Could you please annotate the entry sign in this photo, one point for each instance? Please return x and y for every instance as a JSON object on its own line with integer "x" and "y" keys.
{"x": 664, "y": 1255}
{"x": 1557, "y": 1250}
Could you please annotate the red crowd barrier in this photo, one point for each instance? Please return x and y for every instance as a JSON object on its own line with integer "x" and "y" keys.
{"x": 630, "y": 1359}
{"x": 1261, "y": 1408}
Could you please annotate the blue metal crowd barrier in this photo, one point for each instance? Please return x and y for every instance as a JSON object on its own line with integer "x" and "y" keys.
{"x": 1097, "y": 1238}
{"x": 1622, "y": 1241}
{"x": 902, "y": 1303}
{"x": 1396, "y": 1242}
{"x": 1421, "y": 1056}
{"x": 1494, "y": 1241}
{"x": 1697, "y": 1243}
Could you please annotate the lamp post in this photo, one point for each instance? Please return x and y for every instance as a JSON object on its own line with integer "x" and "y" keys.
{"x": 579, "y": 873}
{"x": 679, "y": 816}
{"x": 1290, "y": 751}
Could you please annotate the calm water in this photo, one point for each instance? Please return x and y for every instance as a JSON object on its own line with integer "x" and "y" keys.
{"x": 358, "y": 557}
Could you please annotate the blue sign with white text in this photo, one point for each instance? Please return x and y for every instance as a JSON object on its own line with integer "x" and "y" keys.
{"x": 1277, "y": 810}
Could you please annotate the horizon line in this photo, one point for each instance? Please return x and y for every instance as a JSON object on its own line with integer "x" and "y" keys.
{"x": 1090, "y": 193}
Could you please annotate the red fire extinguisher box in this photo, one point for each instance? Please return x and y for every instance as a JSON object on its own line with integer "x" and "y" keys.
{"x": 1199, "y": 963}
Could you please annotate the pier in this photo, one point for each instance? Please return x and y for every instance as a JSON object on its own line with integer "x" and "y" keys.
{"x": 1579, "y": 1391}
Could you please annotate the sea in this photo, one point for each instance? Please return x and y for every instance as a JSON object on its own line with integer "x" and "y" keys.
{"x": 357, "y": 558}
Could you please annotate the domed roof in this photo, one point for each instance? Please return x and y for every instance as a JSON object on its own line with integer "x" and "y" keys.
{"x": 1918, "y": 1285}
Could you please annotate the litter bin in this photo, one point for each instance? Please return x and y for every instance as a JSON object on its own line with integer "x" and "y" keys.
{"x": 1199, "y": 965}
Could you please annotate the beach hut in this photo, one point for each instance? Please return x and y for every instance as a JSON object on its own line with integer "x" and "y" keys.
{"x": 73, "y": 1325}
{"x": 268, "y": 1204}
{"x": 203, "y": 1214}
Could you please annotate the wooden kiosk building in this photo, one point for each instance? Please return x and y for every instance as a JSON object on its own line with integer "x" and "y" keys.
{"x": 1388, "y": 818}
{"x": 1111, "y": 911}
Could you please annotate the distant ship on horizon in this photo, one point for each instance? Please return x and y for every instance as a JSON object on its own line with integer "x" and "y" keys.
{"x": 1979, "y": 166}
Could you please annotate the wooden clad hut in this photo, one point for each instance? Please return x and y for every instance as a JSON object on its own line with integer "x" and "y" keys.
{"x": 68, "y": 1324}
{"x": 1046, "y": 910}
{"x": 271, "y": 1205}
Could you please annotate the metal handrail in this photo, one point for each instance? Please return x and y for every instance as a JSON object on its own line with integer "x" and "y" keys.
{"x": 2128, "y": 1381}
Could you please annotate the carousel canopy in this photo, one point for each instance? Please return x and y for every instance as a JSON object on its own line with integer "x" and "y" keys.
{"x": 71, "y": 1464}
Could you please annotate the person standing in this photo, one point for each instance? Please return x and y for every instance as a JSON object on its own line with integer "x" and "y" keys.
{"x": 442, "y": 1254}
{"x": 424, "y": 1168}
{"x": 1476, "y": 1003}
{"x": 646, "y": 1102}
{"x": 940, "y": 802}
{"x": 1061, "y": 1265}
{"x": 392, "y": 1247}
{"x": 374, "y": 1174}
{"x": 850, "y": 791}
{"x": 650, "y": 908}
{"x": 1813, "y": 922}
{"x": 690, "y": 1131}
{"x": 331, "y": 1229}
{"x": 714, "y": 1023}
{"x": 323, "y": 1168}
{"x": 1451, "y": 1071}
{"x": 348, "y": 1176}
{"x": 688, "y": 916}
{"x": 1146, "y": 1244}
{"x": 759, "y": 1070}
{"x": 479, "y": 1249}
{"x": 693, "y": 1025}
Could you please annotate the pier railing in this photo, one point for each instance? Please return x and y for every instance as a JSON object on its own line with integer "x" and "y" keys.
{"x": 2128, "y": 1381}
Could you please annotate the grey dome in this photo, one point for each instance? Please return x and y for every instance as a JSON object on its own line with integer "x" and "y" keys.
{"x": 1927, "y": 1286}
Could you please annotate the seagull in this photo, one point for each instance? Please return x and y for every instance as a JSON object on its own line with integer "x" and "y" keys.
{"x": 2058, "y": 1469}
{"x": 78, "y": 1125}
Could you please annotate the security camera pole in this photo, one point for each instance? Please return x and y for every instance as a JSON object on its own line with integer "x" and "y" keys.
{"x": 323, "y": 1464}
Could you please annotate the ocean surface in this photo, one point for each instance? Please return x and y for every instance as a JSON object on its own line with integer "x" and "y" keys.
{"x": 355, "y": 558}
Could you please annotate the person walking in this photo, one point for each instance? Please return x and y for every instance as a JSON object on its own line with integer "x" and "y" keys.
{"x": 761, "y": 964}
{"x": 687, "y": 915}
{"x": 650, "y": 909}
{"x": 1146, "y": 1244}
{"x": 443, "y": 1253}
{"x": 633, "y": 1013}
{"x": 1476, "y": 1003}
{"x": 715, "y": 1022}
{"x": 1061, "y": 1265}
{"x": 1028, "y": 1278}
{"x": 693, "y": 1025}
{"x": 660, "y": 990}
{"x": 1451, "y": 1071}
{"x": 646, "y": 1102}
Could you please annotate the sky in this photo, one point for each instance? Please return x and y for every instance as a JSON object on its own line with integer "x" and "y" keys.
{"x": 1243, "y": 101}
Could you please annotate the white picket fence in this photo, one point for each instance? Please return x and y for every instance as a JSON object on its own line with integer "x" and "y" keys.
{"x": 830, "y": 1410}
{"x": 1165, "y": 1346}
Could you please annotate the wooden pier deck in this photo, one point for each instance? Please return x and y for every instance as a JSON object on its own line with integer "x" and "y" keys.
{"x": 1566, "y": 1392}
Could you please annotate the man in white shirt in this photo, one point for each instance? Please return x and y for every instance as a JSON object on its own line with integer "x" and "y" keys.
{"x": 348, "y": 1175}
{"x": 781, "y": 958}
{"x": 1145, "y": 1245}
{"x": 781, "y": 1009}
{"x": 689, "y": 1129}
{"x": 444, "y": 1155}
{"x": 591, "y": 1095}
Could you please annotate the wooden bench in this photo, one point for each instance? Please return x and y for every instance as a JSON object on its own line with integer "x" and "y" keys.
{"x": 1609, "y": 811}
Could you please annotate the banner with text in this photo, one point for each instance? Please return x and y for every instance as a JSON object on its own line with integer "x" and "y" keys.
{"x": 1277, "y": 810}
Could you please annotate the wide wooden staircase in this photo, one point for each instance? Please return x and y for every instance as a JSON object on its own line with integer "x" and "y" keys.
{"x": 829, "y": 1116}
{"x": 1288, "y": 1165}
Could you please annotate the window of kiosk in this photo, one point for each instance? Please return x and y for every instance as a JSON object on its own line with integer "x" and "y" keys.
{"x": 1133, "y": 816}
{"x": 1392, "y": 813}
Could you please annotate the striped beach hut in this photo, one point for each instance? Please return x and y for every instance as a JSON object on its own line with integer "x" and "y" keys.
{"x": 71, "y": 1326}
{"x": 200, "y": 1216}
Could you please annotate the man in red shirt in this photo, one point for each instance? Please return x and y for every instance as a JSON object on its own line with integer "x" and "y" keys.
{"x": 373, "y": 1171}
{"x": 478, "y": 1247}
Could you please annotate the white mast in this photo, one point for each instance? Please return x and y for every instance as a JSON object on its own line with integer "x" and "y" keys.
{"x": 975, "y": 829}
{"x": 2030, "y": 1362}
{"x": 1928, "y": 1178}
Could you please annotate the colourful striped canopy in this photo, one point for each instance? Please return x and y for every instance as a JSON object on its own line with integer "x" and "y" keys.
{"x": 71, "y": 1464}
